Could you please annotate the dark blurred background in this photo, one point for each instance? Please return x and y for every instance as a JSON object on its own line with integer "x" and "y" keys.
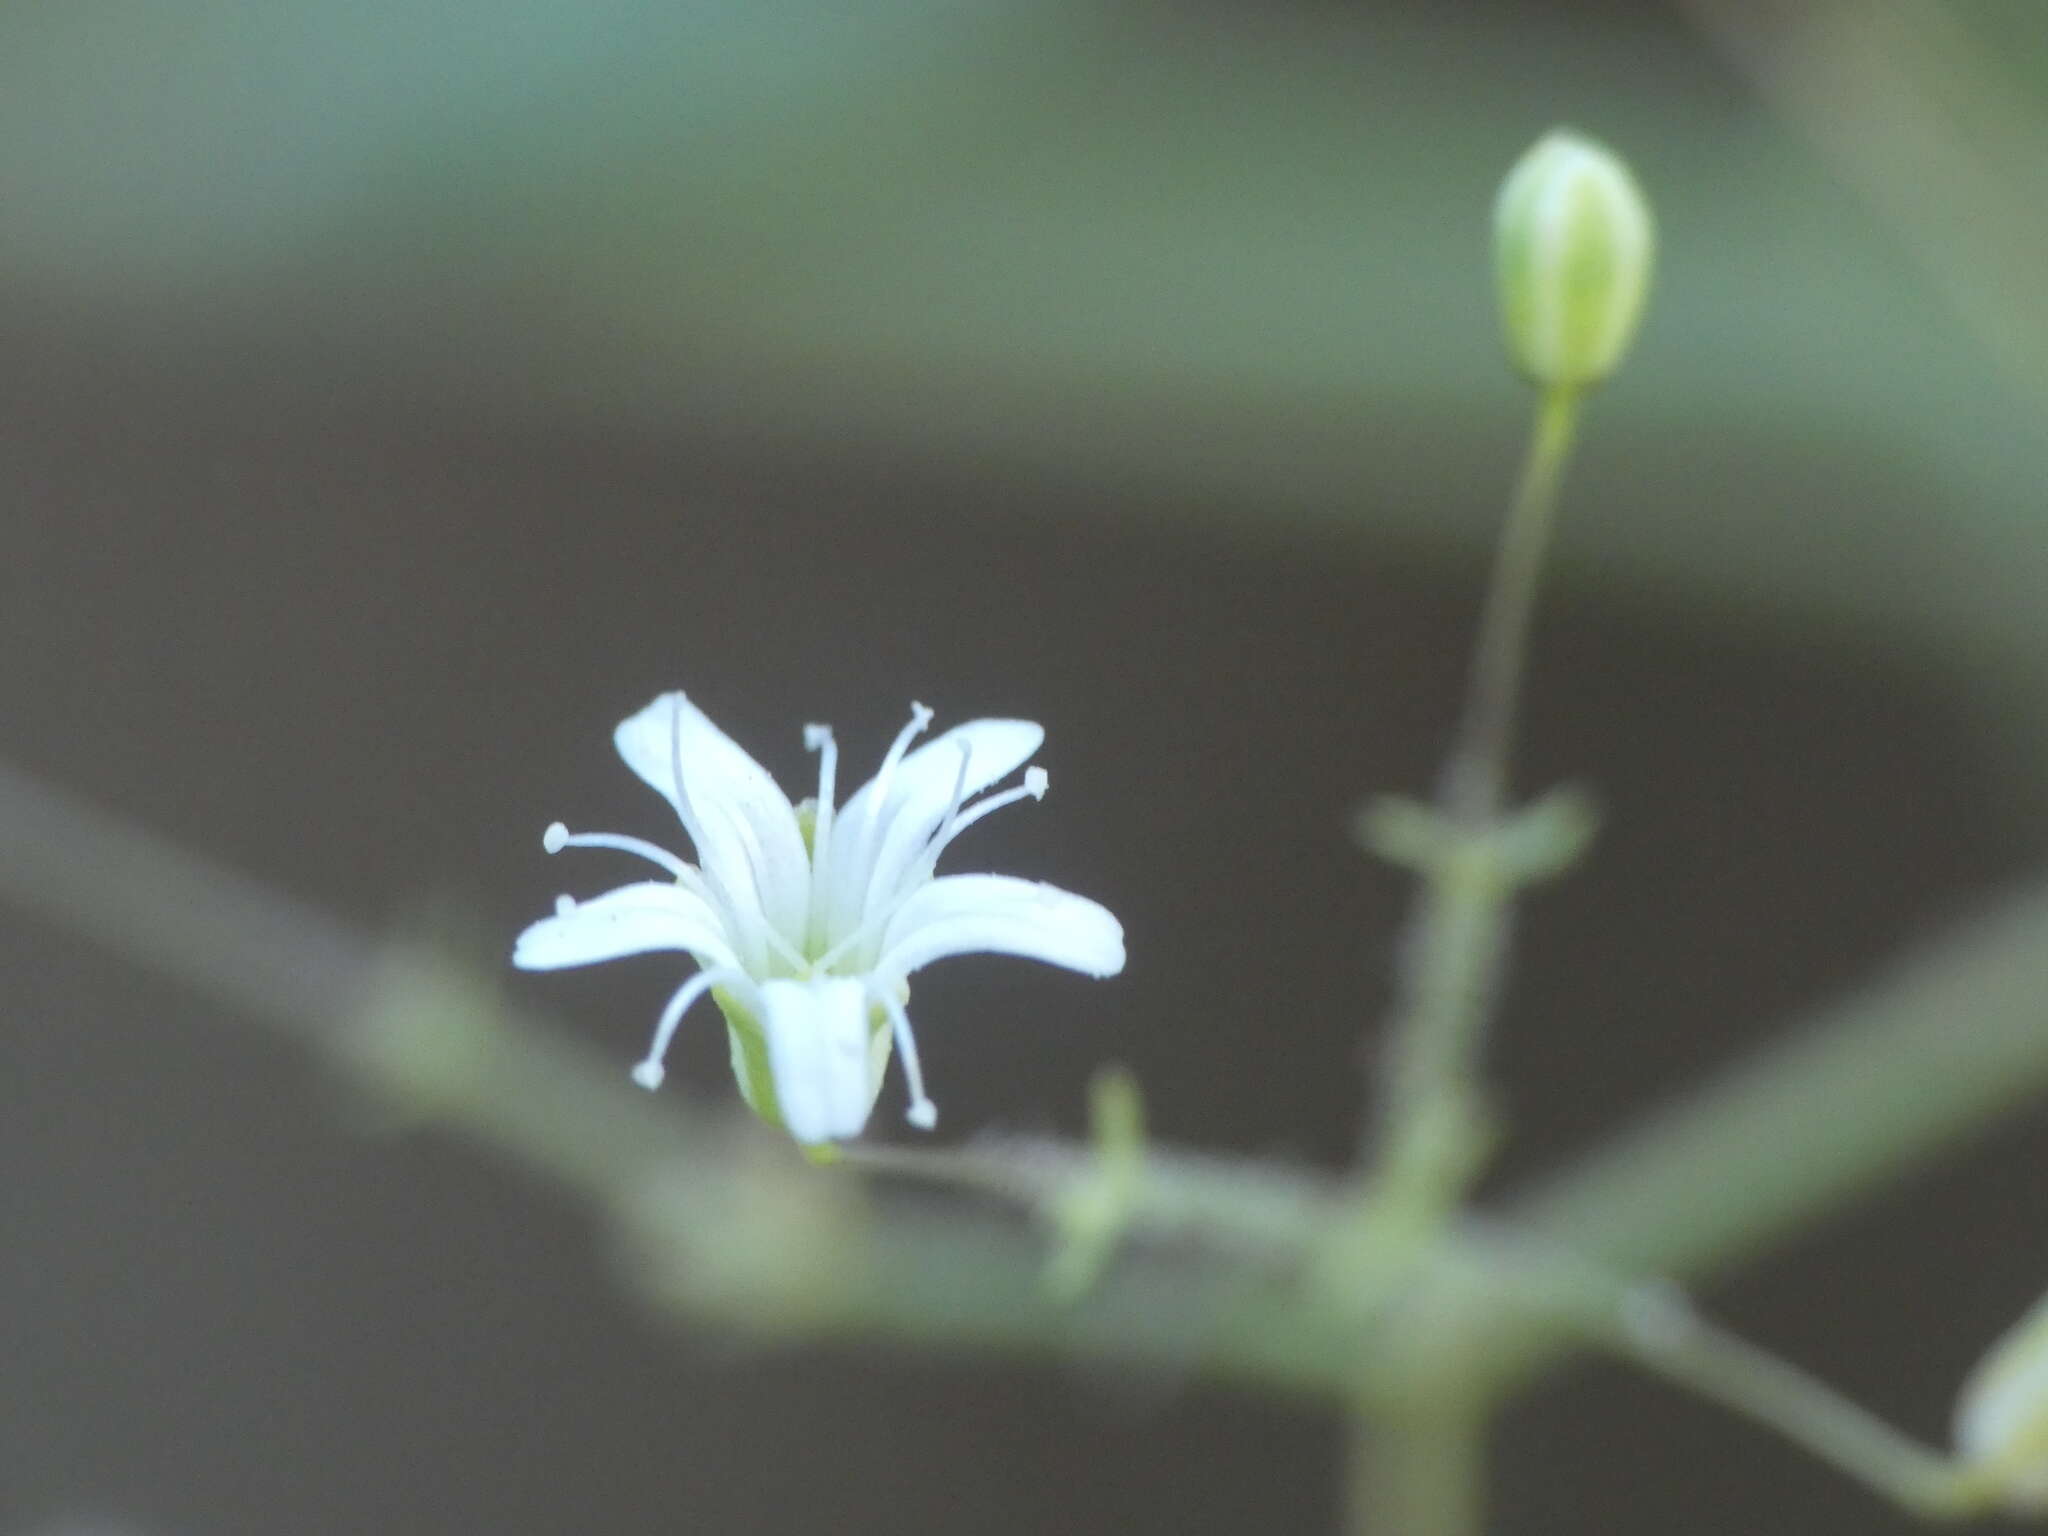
{"x": 394, "y": 396}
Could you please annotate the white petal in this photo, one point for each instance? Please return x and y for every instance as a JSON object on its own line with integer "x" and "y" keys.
{"x": 820, "y": 1053}
{"x": 746, "y": 833}
{"x": 975, "y": 914}
{"x": 633, "y": 920}
{"x": 647, "y": 742}
{"x": 869, "y": 836}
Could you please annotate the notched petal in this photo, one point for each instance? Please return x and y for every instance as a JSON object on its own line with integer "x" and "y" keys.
{"x": 920, "y": 791}
{"x": 632, "y": 920}
{"x": 647, "y": 743}
{"x": 996, "y": 914}
{"x": 746, "y": 833}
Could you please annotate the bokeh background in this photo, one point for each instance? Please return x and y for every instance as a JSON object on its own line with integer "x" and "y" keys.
{"x": 395, "y": 395}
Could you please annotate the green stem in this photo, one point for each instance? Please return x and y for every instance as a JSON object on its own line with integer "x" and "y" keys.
{"x": 1946, "y": 1040}
{"x": 754, "y": 1239}
{"x": 1656, "y": 1329}
{"x": 1477, "y": 779}
{"x": 1423, "y": 1476}
{"x": 1434, "y": 1121}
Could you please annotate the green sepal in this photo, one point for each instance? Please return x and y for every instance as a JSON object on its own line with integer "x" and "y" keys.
{"x": 749, "y": 1058}
{"x": 756, "y": 1078}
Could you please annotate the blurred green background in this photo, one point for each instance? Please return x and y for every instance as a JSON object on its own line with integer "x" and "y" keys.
{"x": 393, "y": 396}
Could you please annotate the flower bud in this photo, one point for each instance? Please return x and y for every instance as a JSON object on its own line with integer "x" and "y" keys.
{"x": 1573, "y": 245}
{"x": 2001, "y": 1423}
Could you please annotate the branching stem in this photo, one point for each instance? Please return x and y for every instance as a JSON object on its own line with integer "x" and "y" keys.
{"x": 1434, "y": 1131}
{"x": 1654, "y": 1327}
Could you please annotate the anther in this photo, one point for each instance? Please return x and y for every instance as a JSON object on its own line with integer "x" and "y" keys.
{"x": 959, "y": 796}
{"x": 963, "y": 817}
{"x": 818, "y": 738}
{"x": 559, "y": 837}
{"x": 878, "y": 791}
{"x": 923, "y": 1113}
{"x": 649, "y": 1073}
{"x": 920, "y": 717}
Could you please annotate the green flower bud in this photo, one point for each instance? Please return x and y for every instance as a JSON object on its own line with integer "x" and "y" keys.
{"x": 1573, "y": 245}
{"x": 2001, "y": 1423}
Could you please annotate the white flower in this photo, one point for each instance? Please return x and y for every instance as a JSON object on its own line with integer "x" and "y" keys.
{"x": 2001, "y": 1421}
{"x": 806, "y": 920}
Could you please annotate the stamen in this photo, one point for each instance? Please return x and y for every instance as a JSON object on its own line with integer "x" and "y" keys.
{"x": 708, "y": 884}
{"x": 920, "y": 717}
{"x": 785, "y": 950}
{"x": 559, "y": 837}
{"x": 958, "y": 821}
{"x": 697, "y": 881}
{"x": 959, "y": 796}
{"x": 822, "y": 966}
{"x": 564, "y": 905}
{"x": 649, "y": 1073}
{"x": 818, "y": 738}
{"x": 873, "y": 895}
{"x": 1036, "y": 781}
{"x": 923, "y": 1113}
{"x": 705, "y": 882}
{"x": 853, "y": 866}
